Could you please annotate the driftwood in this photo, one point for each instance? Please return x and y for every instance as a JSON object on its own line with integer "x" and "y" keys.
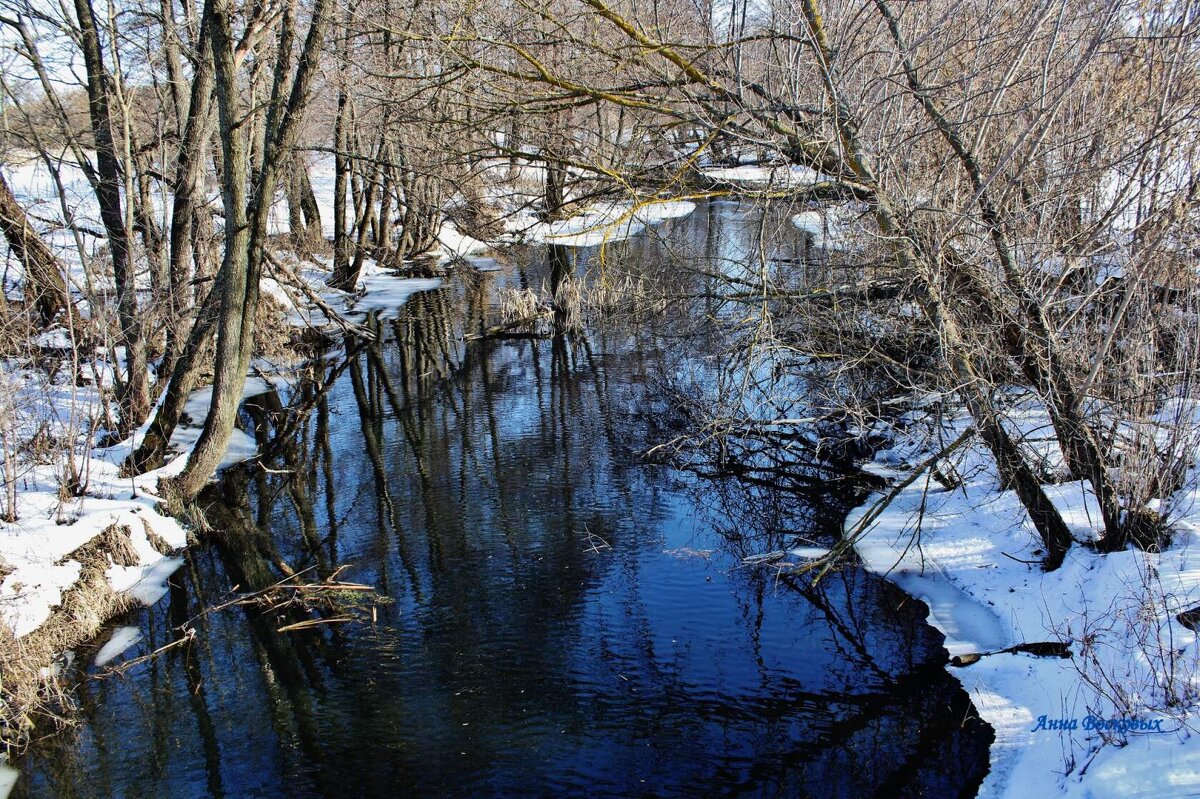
{"x": 1190, "y": 618}
{"x": 288, "y": 596}
{"x": 517, "y": 328}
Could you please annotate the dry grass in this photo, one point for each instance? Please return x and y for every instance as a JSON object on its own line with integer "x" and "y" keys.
{"x": 539, "y": 312}
{"x": 274, "y": 338}
{"x": 568, "y": 305}
{"x": 475, "y": 216}
{"x": 623, "y": 296}
{"x": 33, "y": 693}
{"x": 521, "y": 307}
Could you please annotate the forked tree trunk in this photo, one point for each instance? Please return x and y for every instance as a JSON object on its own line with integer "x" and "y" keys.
{"x": 304, "y": 216}
{"x": 1014, "y": 470}
{"x": 185, "y": 376}
{"x": 247, "y": 209}
{"x": 1032, "y": 342}
{"x": 308, "y": 201}
{"x": 189, "y": 203}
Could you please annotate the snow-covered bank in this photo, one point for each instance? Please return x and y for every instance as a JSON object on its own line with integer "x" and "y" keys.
{"x": 38, "y": 547}
{"x": 757, "y": 176}
{"x": 972, "y": 556}
{"x": 833, "y": 227}
{"x": 73, "y": 559}
{"x": 49, "y": 527}
{"x": 602, "y": 223}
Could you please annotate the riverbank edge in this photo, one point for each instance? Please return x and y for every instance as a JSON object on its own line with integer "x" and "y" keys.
{"x": 111, "y": 550}
{"x": 970, "y": 554}
{"x": 72, "y": 612}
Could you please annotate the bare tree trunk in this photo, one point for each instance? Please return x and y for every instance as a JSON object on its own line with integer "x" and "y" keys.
{"x": 553, "y": 195}
{"x": 364, "y": 227}
{"x": 383, "y": 235}
{"x": 291, "y": 188}
{"x": 1031, "y": 343}
{"x": 153, "y": 245}
{"x": 304, "y": 215}
{"x": 135, "y": 390}
{"x": 341, "y": 279}
{"x": 421, "y": 205}
{"x": 185, "y": 376}
{"x": 188, "y": 201}
{"x": 45, "y": 284}
{"x": 308, "y": 203}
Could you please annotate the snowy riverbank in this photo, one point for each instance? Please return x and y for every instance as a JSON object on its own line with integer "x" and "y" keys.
{"x": 74, "y": 558}
{"x": 971, "y": 555}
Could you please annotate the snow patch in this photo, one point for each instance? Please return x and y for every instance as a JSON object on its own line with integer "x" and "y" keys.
{"x": 764, "y": 176}
{"x": 122, "y": 638}
{"x": 8, "y": 779}
{"x": 606, "y": 223}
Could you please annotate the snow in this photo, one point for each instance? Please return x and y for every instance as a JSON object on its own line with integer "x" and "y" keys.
{"x": 459, "y": 245}
{"x": 121, "y": 639}
{"x": 37, "y": 544}
{"x": 973, "y": 557}
{"x": 831, "y": 227}
{"x": 605, "y": 223}
{"x": 763, "y": 176}
{"x": 56, "y": 339}
{"x": 970, "y": 554}
{"x": 386, "y": 294}
{"x": 49, "y": 528}
{"x": 8, "y": 779}
{"x": 146, "y": 585}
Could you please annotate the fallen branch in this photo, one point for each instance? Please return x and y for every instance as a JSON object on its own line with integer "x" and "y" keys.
{"x": 851, "y": 537}
{"x": 317, "y": 300}
{"x": 288, "y": 593}
{"x": 189, "y": 634}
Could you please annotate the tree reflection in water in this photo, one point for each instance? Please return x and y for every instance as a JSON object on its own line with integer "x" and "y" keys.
{"x": 468, "y": 482}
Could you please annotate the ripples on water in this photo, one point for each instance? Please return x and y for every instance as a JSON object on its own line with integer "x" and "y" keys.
{"x": 567, "y": 619}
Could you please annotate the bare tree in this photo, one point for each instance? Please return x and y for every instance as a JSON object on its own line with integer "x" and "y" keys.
{"x": 247, "y": 200}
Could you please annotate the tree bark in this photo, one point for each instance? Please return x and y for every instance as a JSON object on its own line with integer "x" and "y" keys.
{"x": 341, "y": 279}
{"x": 1032, "y": 342}
{"x": 135, "y": 388}
{"x": 1015, "y": 472}
{"x": 45, "y": 284}
{"x": 185, "y": 376}
{"x": 304, "y": 215}
{"x": 188, "y": 201}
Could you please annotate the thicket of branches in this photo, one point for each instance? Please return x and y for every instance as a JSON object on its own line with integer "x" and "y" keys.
{"x": 1018, "y": 180}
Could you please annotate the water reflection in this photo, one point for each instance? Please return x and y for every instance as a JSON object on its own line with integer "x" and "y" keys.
{"x": 566, "y": 619}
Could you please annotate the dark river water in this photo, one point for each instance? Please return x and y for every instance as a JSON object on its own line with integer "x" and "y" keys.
{"x": 559, "y": 616}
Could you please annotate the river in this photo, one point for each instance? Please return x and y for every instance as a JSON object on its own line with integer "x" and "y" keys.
{"x": 557, "y": 615}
